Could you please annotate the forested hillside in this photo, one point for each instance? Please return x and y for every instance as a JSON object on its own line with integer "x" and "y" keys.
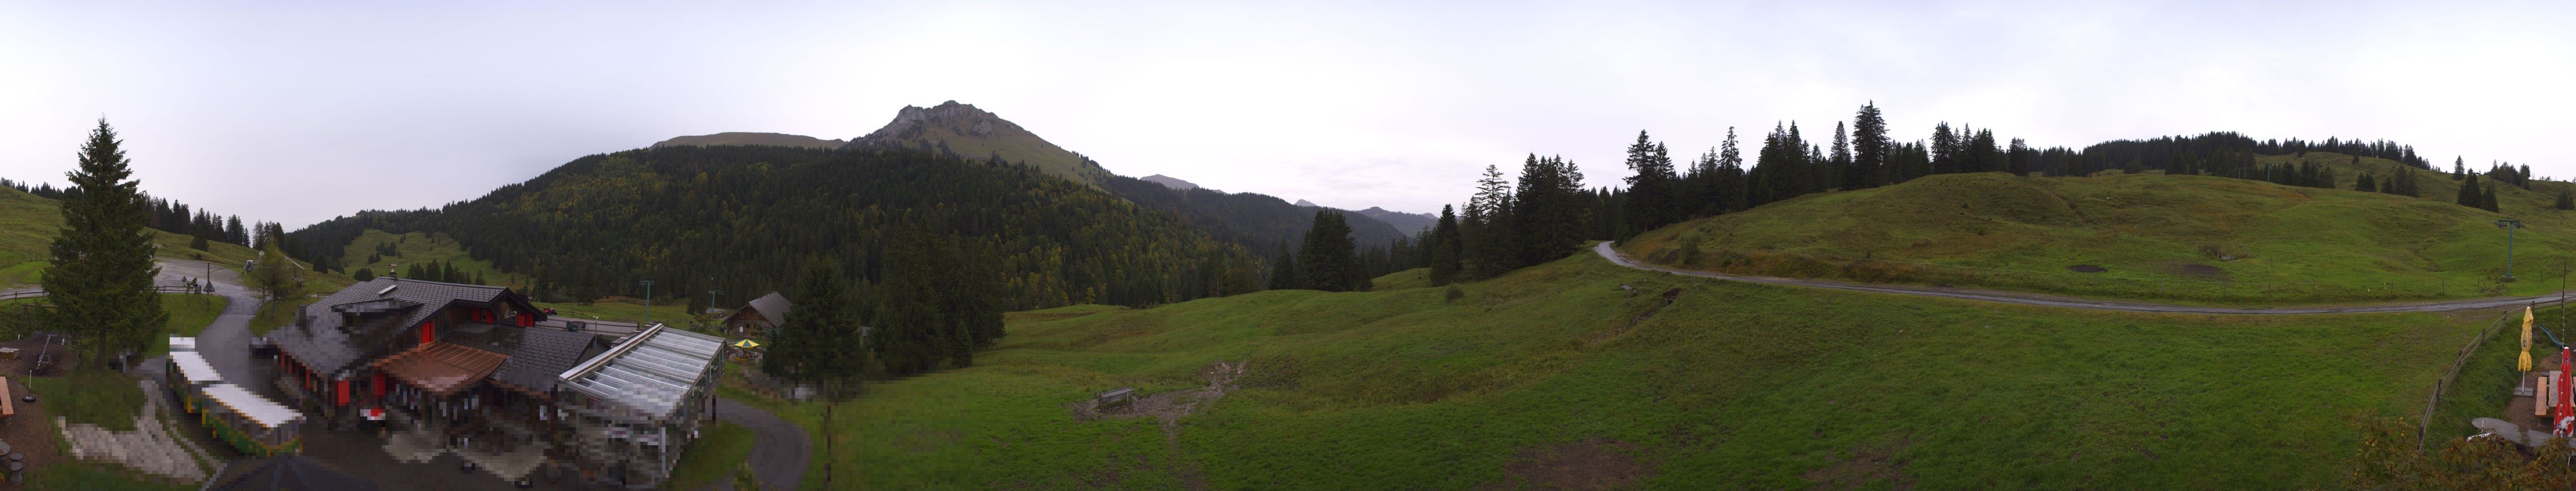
{"x": 746, "y": 219}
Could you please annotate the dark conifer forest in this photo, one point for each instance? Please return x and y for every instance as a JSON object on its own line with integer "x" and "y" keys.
{"x": 747, "y": 219}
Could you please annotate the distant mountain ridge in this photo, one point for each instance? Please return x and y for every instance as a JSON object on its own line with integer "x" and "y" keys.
{"x": 964, "y": 131}
{"x": 1254, "y": 220}
{"x": 749, "y": 138}
{"x": 1170, "y": 182}
{"x": 1408, "y": 222}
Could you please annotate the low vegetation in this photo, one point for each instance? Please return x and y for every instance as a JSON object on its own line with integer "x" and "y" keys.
{"x": 189, "y": 315}
{"x": 718, "y": 451}
{"x": 94, "y": 396}
{"x": 1724, "y": 386}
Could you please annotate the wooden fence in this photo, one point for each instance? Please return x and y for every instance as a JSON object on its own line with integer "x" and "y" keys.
{"x": 2424, "y": 428}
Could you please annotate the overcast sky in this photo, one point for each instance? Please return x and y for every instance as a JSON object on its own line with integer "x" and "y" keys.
{"x": 297, "y": 112}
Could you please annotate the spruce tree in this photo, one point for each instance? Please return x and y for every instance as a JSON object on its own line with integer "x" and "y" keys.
{"x": 364, "y": 274}
{"x": 1842, "y": 158}
{"x": 1486, "y": 228}
{"x": 1283, "y": 269}
{"x": 2469, "y": 195}
{"x": 2566, "y": 199}
{"x": 1326, "y": 261}
{"x": 2364, "y": 183}
{"x": 819, "y": 342}
{"x": 1869, "y": 149}
{"x": 1730, "y": 174}
{"x": 1651, "y": 189}
{"x": 1445, "y": 248}
{"x": 101, "y": 279}
{"x": 2488, "y": 200}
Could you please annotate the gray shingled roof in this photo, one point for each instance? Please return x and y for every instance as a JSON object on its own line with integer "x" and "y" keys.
{"x": 536, "y": 354}
{"x": 773, "y": 307}
{"x": 327, "y": 347}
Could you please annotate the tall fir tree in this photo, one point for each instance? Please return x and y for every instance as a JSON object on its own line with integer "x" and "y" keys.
{"x": 1945, "y": 149}
{"x": 1548, "y": 212}
{"x": 820, "y": 343}
{"x": 1869, "y": 149}
{"x": 1327, "y": 261}
{"x": 2566, "y": 200}
{"x": 1445, "y": 248}
{"x": 2469, "y": 195}
{"x": 101, "y": 279}
{"x": 1730, "y": 175}
{"x": 1486, "y": 227}
{"x": 1283, "y": 269}
{"x": 1842, "y": 158}
{"x": 1651, "y": 190}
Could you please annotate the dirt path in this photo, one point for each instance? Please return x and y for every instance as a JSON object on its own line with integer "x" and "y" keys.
{"x": 1615, "y": 257}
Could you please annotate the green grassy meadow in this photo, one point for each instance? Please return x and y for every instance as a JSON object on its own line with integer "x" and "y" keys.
{"x": 28, "y": 224}
{"x": 2195, "y": 239}
{"x": 420, "y": 248}
{"x": 717, "y": 452}
{"x": 90, "y": 395}
{"x": 1732, "y": 386}
{"x": 189, "y": 315}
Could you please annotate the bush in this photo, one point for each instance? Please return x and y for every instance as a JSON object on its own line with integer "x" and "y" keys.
{"x": 1454, "y": 294}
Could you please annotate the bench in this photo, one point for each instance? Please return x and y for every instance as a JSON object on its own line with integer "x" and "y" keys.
{"x": 1119, "y": 396}
{"x": 8, "y": 401}
{"x": 2547, "y": 394}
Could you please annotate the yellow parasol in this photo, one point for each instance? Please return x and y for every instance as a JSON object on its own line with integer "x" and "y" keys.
{"x": 2526, "y": 334}
{"x": 2523, "y": 364}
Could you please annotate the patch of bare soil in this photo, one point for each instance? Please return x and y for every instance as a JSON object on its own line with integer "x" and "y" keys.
{"x": 2196, "y": 271}
{"x": 31, "y": 431}
{"x": 1869, "y": 462}
{"x": 1168, "y": 408}
{"x": 1593, "y": 464}
{"x": 2087, "y": 268}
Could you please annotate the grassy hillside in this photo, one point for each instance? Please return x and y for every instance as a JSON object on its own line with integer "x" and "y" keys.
{"x": 745, "y": 138}
{"x": 28, "y": 224}
{"x": 421, "y": 248}
{"x": 2191, "y": 238}
{"x": 1556, "y": 375}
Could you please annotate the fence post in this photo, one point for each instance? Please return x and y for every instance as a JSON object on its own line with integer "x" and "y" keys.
{"x": 2424, "y": 425}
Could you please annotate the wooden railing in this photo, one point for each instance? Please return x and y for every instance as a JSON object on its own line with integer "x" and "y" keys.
{"x": 2424, "y": 428}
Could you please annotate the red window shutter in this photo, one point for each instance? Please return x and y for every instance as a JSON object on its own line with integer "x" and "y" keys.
{"x": 380, "y": 385}
{"x": 428, "y": 332}
{"x": 344, "y": 392}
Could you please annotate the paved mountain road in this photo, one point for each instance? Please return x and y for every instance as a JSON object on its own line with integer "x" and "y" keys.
{"x": 1615, "y": 257}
